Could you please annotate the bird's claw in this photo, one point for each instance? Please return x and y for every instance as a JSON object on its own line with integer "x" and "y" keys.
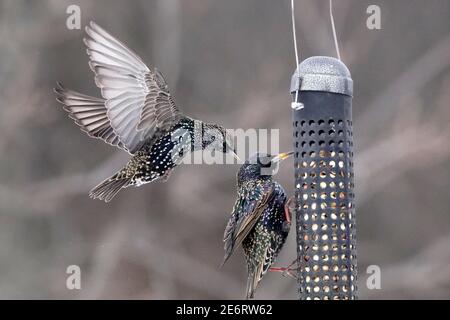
{"x": 287, "y": 271}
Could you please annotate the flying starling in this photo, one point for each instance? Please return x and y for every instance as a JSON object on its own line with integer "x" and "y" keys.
{"x": 137, "y": 114}
{"x": 261, "y": 218}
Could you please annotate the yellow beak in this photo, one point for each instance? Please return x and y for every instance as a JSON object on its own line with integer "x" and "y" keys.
{"x": 282, "y": 156}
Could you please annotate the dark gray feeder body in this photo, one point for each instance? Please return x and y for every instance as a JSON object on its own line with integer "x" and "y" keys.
{"x": 324, "y": 180}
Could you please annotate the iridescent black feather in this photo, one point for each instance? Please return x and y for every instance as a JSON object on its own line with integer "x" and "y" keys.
{"x": 258, "y": 221}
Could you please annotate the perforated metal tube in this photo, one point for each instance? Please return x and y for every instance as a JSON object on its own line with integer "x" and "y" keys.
{"x": 324, "y": 179}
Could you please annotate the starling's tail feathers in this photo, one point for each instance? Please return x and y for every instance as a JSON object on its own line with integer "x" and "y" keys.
{"x": 107, "y": 189}
{"x": 251, "y": 287}
{"x": 255, "y": 274}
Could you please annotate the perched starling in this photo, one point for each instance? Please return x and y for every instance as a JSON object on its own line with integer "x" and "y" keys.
{"x": 137, "y": 114}
{"x": 260, "y": 220}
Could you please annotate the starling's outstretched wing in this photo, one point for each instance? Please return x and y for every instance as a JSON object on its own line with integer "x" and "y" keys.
{"x": 89, "y": 114}
{"x": 247, "y": 210}
{"x": 138, "y": 101}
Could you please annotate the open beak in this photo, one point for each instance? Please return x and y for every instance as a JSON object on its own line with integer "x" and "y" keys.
{"x": 234, "y": 154}
{"x": 282, "y": 156}
{"x": 230, "y": 147}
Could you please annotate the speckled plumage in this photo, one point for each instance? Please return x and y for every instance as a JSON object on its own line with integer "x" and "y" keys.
{"x": 153, "y": 161}
{"x": 136, "y": 114}
{"x": 258, "y": 222}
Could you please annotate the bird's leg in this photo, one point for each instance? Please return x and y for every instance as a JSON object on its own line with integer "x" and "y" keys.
{"x": 286, "y": 271}
{"x": 289, "y": 207}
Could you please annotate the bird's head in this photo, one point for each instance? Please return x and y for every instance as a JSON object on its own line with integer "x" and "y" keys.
{"x": 217, "y": 138}
{"x": 261, "y": 166}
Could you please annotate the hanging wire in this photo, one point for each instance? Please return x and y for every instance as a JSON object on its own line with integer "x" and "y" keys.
{"x": 336, "y": 44}
{"x": 294, "y": 34}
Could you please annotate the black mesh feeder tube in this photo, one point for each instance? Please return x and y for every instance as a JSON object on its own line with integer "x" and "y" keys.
{"x": 322, "y": 90}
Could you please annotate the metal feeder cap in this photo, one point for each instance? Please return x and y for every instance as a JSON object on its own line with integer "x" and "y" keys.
{"x": 322, "y": 74}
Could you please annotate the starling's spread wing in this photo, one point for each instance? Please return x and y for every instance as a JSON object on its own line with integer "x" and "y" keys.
{"x": 89, "y": 114}
{"x": 137, "y": 98}
{"x": 247, "y": 210}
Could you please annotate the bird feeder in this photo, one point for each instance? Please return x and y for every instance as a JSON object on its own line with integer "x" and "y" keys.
{"x": 324, "y": 181}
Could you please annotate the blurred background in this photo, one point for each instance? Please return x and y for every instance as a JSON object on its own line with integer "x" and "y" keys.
{"x": 228, "y": 62}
